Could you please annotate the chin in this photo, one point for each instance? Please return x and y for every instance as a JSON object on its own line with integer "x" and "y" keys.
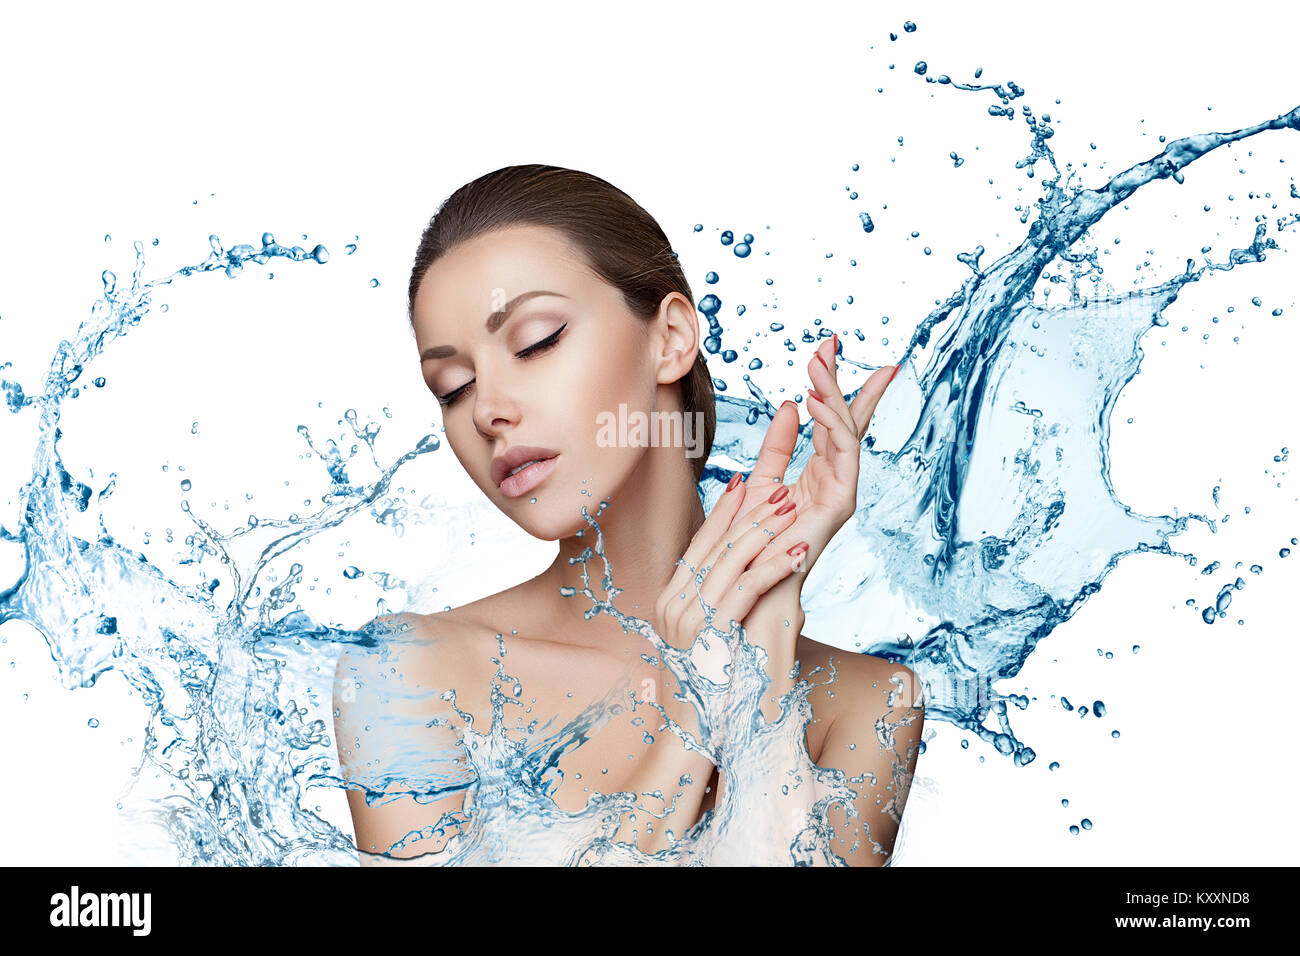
{"x": 556, "y": 515}
{"x": 548, "y": 522}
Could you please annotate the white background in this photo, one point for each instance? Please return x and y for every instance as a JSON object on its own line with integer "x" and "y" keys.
{"x": 332, "y": 121}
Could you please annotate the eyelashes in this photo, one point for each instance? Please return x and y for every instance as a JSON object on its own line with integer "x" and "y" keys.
{"x": 537, "y": 348}
{"x": 547, "y": 343}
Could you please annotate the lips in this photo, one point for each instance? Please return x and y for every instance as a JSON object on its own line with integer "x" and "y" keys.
{"x": 512, "y": 458}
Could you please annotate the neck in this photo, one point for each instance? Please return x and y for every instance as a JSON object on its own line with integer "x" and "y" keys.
{"x": 643, "y": 532}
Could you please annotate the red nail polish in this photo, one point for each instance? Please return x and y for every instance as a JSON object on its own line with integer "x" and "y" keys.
{"x": 735, "y": 480}
{"x": 801, "y": 546}
{"x": 812, "y": 393}
{"x": 823, "y": 361}
{"x": 895, "y": 372}
{"x": 778, "y": 495}
{"x": 835, "y": 340}
{"x": 788, "y": 402}
{"x": 786, "y": 508}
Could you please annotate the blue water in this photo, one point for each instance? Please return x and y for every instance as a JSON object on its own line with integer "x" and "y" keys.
{"x": 983, "y": 528}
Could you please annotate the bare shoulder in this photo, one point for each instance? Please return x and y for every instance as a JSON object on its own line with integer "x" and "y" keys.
{"x": 876, "y": 714}
{"x": 397, "y": 731}
{"x": 403, "y": 666}
{"x": 851, "y": 683}
{"x": 392, "y": 646}
{"x": 415, "y": 645}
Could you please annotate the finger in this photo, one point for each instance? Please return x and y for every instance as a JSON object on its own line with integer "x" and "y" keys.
{"x": 726, "y": 566}
{"x": 795, "y": 531}
{"x": 706, "y": 539}
{"x": 818, "y": 432}
{"x": 766, "y": 505}
{"x": 733, "y": 557}
{"x": 868, "y": 397}
{"x": 815, "y": 527}
{"x": 774, "y": 454}
{"x": 840, "y": 438}
{"x": 686, "y": 588}
{"x": 821, "y": 372}
{"x": 757, "y": 581}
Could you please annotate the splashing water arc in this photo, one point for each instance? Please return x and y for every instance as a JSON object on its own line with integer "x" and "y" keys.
{"x": 991, "y": 523}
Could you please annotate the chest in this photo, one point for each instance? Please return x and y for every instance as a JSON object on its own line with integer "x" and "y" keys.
{"x": 592, "y": 724}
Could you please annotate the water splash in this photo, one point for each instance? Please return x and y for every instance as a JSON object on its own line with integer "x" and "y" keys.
{"x": 988, "y": 524}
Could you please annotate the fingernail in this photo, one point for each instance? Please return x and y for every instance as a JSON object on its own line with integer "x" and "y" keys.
{"x": 735, "y": 480}
{"x": 785, "y": 508}
{"x": 895, "y": 372}
{"x": 812, "y": 393}
{"x": 823, "y": 361}
{"x": 801, "y": 546}
{"x": 788, "y": 402}
{"x": 835, "y": 340}
{"x": 778, "y": 495}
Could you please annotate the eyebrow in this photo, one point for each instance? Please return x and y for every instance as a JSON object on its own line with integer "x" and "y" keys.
{"x": 494, "y": 322}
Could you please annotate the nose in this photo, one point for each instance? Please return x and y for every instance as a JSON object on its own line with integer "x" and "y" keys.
{"x": 495, "y": 409}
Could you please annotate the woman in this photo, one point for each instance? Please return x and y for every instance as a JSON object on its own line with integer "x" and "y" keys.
{"x": 545, "y": 301}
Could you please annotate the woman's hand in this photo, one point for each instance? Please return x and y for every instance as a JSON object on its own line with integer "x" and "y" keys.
{"x": 825, "y": 495}
{"x": 722, "y": 575}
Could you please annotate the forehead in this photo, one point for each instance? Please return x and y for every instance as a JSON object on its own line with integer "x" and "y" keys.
{"x": 480, "y": 275}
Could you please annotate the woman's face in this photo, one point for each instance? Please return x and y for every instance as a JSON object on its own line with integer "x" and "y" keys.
{"x": 524, "y": 347}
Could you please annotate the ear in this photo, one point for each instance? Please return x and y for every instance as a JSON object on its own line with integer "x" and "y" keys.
{"x": 674, "y": 338}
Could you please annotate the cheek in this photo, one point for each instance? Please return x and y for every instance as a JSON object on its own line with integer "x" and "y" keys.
{"x": 611, "y": 374}
{"x": 614, "y": 374}
{"x": 456, "y": 438}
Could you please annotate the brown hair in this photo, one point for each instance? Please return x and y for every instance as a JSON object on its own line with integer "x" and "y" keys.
{"x": 620, "y": 241}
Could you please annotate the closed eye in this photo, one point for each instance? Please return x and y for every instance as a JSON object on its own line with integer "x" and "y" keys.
{"x": 537, "y": 348}
{"x": 544, "y": 344}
